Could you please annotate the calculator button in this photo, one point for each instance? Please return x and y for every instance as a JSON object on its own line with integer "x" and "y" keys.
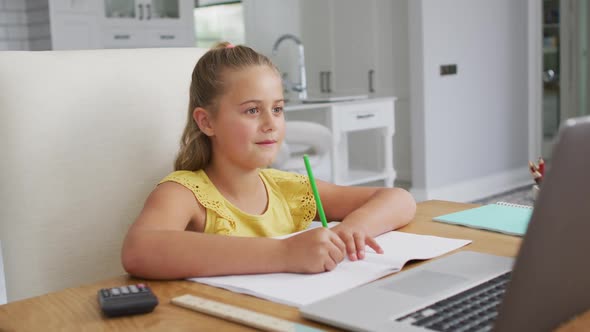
{"x": 125, "y": 300}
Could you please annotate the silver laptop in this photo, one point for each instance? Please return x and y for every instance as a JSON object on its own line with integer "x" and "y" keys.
{"x": 468, "y": 291}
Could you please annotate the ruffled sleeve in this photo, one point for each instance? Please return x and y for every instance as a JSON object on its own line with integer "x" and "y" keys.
{"x": 296, "y": 190}
{"x": 209, "y": 197}
{"x": 224, "y": 227}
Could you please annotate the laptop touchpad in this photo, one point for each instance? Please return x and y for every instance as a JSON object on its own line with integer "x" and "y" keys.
{"x": 424, "y": 283}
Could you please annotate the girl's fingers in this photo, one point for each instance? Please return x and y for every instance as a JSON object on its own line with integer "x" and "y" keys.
{"x": 359, "y": 241}
{"x": 337, "y": 241}
{"x": 350, "y": 247}
{"x": 336, "y": 254}
{"x": 371, "y": 242}
{"x": 329, "y": 265}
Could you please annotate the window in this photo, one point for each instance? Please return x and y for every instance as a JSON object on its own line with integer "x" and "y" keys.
{"x": 215, "y": 22}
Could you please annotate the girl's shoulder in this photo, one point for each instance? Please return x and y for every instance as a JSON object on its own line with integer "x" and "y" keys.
{"x": 186, "y": 178}
{"x": 196, "y": 181}
{"x": 203, "y": 189}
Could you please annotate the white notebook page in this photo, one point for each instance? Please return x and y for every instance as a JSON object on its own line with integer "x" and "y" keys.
{"x": 301, "y": 289}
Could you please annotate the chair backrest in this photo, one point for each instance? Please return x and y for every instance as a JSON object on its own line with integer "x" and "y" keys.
{"x": 2, "y": 282}
{"x": 84, "y": 137}
{"x": 310, "y": 138}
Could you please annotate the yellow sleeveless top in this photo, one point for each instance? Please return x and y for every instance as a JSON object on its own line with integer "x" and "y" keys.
{"x": 291, "y": 206}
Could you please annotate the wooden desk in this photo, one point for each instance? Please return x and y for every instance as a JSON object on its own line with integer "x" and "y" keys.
{"x": 77, "y": 308}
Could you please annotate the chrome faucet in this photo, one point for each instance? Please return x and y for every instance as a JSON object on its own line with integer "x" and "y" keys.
{"x": 300, "y": 87}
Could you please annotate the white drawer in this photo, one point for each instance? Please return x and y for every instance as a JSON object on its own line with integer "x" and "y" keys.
{"x": 167, "y": 38}
{"x": 361, "y": 116}
{"x": 121, "y": 38}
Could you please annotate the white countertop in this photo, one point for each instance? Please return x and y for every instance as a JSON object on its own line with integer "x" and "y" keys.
{"x": 296, "y": 105}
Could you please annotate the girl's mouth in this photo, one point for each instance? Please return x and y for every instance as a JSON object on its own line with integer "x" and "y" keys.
{"x": 266, "y": 142}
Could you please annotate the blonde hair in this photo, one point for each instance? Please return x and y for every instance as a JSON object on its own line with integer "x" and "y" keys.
{"x": 206, "y": 87}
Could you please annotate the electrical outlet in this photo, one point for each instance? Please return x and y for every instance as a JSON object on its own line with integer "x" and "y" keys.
{"x": 448, "y": 69}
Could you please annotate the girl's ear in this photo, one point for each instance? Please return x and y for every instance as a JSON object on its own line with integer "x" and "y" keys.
{"x": 203, "y": 120}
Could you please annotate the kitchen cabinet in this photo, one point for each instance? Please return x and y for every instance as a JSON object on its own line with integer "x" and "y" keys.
{"x": 362, "y": 138}
{"x": 147, "y": 23}
{"x": 74, "y": 24}
{"x": 316, "y": 35}
{"x": 146, "y": 12}
{"x": 343, "y": 41}
{"x": 74, "y": 6}
{"x": 121, "y": 23}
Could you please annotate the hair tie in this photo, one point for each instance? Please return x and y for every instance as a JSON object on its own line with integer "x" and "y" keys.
{"x": 230, "y": 45}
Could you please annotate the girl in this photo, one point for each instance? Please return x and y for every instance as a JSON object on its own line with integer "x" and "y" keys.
{"x": 216, "y": 213}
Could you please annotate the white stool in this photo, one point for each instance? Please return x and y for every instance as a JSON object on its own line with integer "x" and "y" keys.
{"x": 303, "y": 137}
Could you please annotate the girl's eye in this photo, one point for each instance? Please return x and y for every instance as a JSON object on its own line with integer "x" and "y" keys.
{"x": 252, "y": 111}
{"x": 278, "y": 110}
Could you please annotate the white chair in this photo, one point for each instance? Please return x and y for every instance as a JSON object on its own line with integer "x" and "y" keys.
{"x": 85, "y": 136}
{"x": 303, "y": 137}
{"x": 2, "y": 282}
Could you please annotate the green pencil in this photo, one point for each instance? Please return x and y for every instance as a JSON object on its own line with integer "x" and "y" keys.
{"x": 316, "y": 193}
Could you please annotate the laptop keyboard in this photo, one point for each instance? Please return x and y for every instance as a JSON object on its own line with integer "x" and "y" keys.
{"x": 474, "y": 309}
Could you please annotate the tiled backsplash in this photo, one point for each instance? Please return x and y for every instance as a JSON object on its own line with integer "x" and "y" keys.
{"x": 24, "y": 25}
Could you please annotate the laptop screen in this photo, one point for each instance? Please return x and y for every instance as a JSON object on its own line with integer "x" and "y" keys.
{"x": 551, "y": 278}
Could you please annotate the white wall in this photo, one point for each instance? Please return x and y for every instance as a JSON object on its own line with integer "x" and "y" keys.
{"x": 470, "y": 130}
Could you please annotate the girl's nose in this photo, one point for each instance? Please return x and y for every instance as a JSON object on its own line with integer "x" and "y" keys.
{"x": 269, "y": 122}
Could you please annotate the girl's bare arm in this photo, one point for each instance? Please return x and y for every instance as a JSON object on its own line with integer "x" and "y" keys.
{"x": 157, "y": 245}
{"x": 379, "y": 210}
{"x": 365, "y": 212}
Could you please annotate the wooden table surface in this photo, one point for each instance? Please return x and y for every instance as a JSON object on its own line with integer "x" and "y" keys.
{"x": 77, "y": 308}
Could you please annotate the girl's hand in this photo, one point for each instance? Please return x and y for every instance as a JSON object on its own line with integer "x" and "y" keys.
{"x": 314, "y": 251}
{"x": 355, "y": 239}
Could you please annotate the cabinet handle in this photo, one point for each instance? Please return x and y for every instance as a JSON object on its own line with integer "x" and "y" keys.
{"x": 167, "y": 37}
{"x": 120, "y": 37}
{"x": 149, "y": 11}
{"x": 365, "y": 116}
{"x": 329, "y": 81}
{"x": 140, "y": 11}
{"x": 371, "y": 76}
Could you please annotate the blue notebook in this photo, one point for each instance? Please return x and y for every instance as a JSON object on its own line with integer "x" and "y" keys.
{"x": 512, "y": 219}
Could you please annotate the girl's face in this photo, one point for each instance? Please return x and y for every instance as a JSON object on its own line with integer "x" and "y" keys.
{"x": 249, "y": 126}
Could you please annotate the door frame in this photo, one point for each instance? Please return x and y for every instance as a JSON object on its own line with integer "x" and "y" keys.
{"x": 571, "y": 94}
{"x": 571, "y": 44}
{"x": 535, "y": 85}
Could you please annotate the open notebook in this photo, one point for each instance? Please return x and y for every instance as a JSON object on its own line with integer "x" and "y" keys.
{"x": 301, "y": 289}
{"x": 508, "y": 218}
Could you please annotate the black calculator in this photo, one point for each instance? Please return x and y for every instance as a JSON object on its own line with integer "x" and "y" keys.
{"x": 127, "y": 300}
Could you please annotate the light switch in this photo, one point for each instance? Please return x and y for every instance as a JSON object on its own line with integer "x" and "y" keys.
{"x": 448, "y": 69}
